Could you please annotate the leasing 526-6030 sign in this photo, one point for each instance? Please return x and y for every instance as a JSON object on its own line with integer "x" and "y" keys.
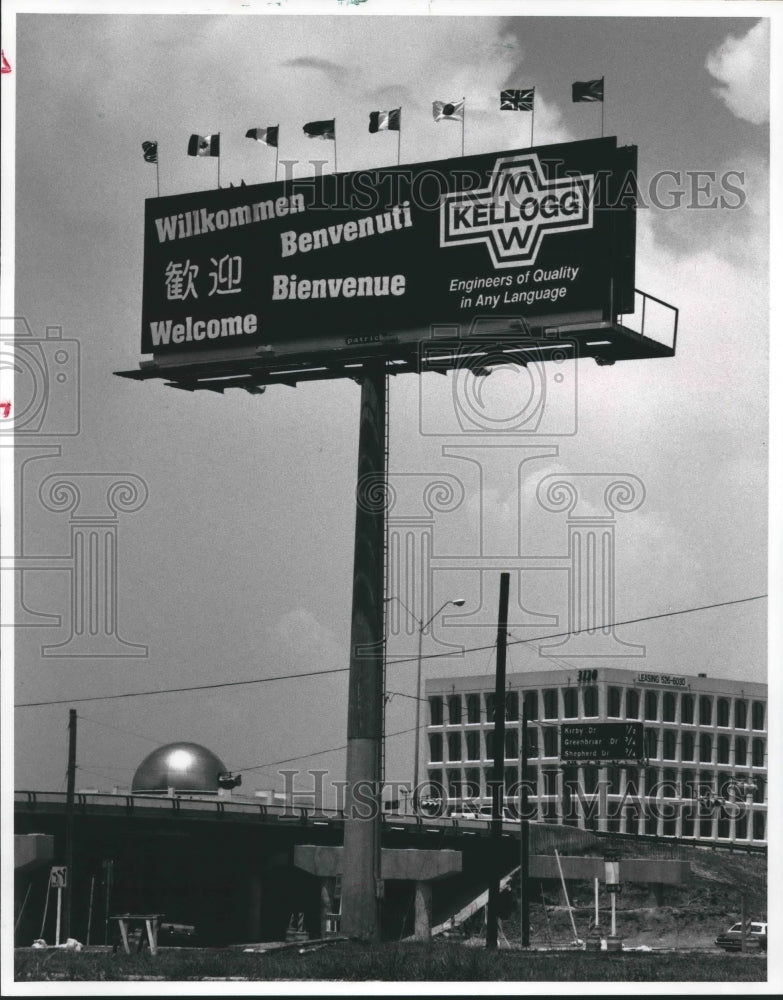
{"x": 377, "y": 256}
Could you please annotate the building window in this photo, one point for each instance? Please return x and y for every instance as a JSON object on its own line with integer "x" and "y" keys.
{"x": 455, "y": 746}
{"x": 489, "y": 703}
{"x": 740, "y": 714}
{"x": 455, "y": 709}
{"x": 723, "y": 749}
{"x": 740, "y": 751}
{"x": 532, "y": 742}
{"x": 669, "y": 707}
{"x": 570, "y": 703}
{"x": 631, "y": 704}
{"x": 722, "y": 712}
{"x": 436, "y": 711}
{"x": 436, "y": 747}
{"x": 758, "y": 714}
{"x": 705, "y": 748}
{"x": 758, "y": 752}
{"x": 473, "y": 744}
{"x": 489, "y": 738}
{"x": 435, "y": 787}
{"x": 686, "y": 709}
{"x": 510, "y": 779}
{"x": 550, "y": 703}
{"x": 650, "y": 742}
{"x": 530, "y": 777}
{"x": 531, "y": 704}
{"x": 512, "y": 744}
{"x": 512, "y": 706}
{"x": 613, "y": 702}
{"x": 687, "y": 779}
{"x": 454, "y": 784}
{"x": 758, "y": 795}
{"x": 669, "y": 744}
{"x": 705, "y": 710}
{"x": 688, "y": 746}
{"x": 650, "y": 705}
{"x": 473, "y": 707}
{"x": 758, "y": 826}
{"x": 550, "y": 742}
{"x": 472, "y": 782}
{"x": 590, "y": 698}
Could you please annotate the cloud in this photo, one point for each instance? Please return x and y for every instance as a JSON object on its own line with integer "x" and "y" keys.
{"x": 330, "y": 69}
{"x": 742, "y": 66}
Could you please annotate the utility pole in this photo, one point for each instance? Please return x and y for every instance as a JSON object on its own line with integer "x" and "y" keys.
{"x": 361, "y": 882}
{"x": 524, "y": 838}
{"x": 496, "y": 830}
{"x": 69, "y": 803}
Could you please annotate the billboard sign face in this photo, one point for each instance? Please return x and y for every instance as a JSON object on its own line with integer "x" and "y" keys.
{"x": 373, "y": 259}
{"x": 601, "y": 741}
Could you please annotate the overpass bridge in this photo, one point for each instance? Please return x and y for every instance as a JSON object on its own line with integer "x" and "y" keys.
{"x": 226, "y": 864}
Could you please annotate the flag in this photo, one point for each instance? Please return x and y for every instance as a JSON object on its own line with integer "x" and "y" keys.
{"x": 448, "y": 111}
{"x": 589, "y": 90}
{"x": 150, "y": 152}
{"x": 6, "y": 68}
{"x": 380, "y": 120}
{"x": 320, "y": 130}
{"x": 204, "y": 145}
{"x": 265, "y": 135}
{"x": 517, "y": 100}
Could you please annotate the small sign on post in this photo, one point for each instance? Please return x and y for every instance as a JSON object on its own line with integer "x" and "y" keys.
{"x": 58, "y": 877}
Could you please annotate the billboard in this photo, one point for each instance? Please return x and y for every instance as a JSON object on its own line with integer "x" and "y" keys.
{"x": 369, "y": 261}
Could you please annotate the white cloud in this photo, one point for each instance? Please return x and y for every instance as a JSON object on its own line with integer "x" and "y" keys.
{"x": 742, "y": 67}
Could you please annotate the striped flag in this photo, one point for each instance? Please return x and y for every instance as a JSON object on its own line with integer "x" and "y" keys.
{"x": 517, "y": 100}
{"x": 589, "y": 90}
{"x": 320, "y": 130}
{"x": 381, "y": 120}
{"x": 453, "y": 111}
{"x": 204, "y": 145}
{"x": 150, "y": 150}
{"x": 266, "y": 135}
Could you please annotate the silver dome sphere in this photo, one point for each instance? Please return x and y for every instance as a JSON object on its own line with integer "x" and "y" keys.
{"x": 185, "y": 767}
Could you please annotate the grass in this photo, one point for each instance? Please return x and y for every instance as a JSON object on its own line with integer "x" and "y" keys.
{"x": 355, "y": 962}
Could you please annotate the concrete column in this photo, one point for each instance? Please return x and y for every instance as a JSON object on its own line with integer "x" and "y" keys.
{"x": 326, "y": 904}
{"x": 361, "y": 878}
{"x": 255, "y": 890}
{"x": 423, "y": 911}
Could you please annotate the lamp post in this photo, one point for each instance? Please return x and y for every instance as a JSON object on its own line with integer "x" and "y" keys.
{"x": 457, "y": 602}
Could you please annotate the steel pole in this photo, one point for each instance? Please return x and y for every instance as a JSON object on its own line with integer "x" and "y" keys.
{"x": 361, "y": 885}
{"x": 524, "y": 839}
{"x": 416, "y": 737}
{"x": 496, "y": 829}
{"x": 69, "y": 817}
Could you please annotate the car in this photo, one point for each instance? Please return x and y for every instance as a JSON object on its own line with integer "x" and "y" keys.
{"x": 755, "y": 936}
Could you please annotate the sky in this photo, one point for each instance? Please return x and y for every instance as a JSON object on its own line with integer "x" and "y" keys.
{"x": 237, "y": 563}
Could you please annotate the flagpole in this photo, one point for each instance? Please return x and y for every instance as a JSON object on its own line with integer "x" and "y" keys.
{"x": 277, "y": 155}
{"x": 603, "y": 98}
{"x": 218, "y": 159}
{"x": 399, "y": 134}
{"x": 463, "y": 124}
{"x": 335, "y": 147}
{"x": 157, "y": 166}
{"x": 532, "y": 117}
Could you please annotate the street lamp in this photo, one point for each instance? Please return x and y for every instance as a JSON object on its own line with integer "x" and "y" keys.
{"x": 457, "y": 602}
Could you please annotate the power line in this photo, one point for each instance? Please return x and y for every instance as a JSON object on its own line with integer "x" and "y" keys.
{"x": 177, "y": 690}
{"x": 395, "y": 661}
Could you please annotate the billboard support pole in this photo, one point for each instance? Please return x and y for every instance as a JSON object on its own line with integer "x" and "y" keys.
{"x": 524, "y": 838}
{"x": 361, "y": 886}
{"x": 499, "y": 738}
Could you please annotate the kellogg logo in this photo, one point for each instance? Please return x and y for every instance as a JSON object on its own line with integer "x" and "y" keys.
{"x": 518, "y": 209}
